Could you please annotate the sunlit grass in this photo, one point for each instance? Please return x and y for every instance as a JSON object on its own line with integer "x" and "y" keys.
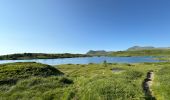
{"x": 85, "y": 82}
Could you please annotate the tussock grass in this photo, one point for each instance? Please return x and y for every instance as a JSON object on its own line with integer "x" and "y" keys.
{"x": 14, "y": 71}
{"x": 161, "y": 88}
{"x": 83, "y": 82}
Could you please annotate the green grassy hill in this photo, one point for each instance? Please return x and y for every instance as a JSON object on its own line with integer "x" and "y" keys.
{"x": 140, "y": 48}
{"x": 153, "y": 52}
{"x": 98, "y": 53}
{"x": 134, "y": 52}
{"x": 30, "y": 81}
{"x": 10, "y": 73}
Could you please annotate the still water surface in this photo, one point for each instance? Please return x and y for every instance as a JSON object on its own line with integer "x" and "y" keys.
{"x": 86, "y": 60}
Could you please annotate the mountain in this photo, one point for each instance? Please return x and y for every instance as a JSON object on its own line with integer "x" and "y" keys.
{"x": 140, "y": 48}
{"x": 98, "y": 52}
{"x": 134, "y": 48}
{"x": 164, "y": 48}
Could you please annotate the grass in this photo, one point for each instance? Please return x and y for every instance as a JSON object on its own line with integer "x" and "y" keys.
{"x": 24, "y": 70}
{"x": 163, "y": 58}
{"x": 152, "y": 52}
{"x": 162, "y": 79}
{"x": 96, "y": 82}
{"x": 32, "y": 81}
{"x": 127, "y": 53}
{"x": 82, "y": 82}
{"x": 37, "y": 88}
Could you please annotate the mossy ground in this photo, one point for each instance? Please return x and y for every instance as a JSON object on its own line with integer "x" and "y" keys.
{"x": 86, "y": 82}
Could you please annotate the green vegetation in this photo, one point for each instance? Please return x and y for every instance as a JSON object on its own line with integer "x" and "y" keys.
{"x": 154, "y": 52}
{"x": 134, "y": 52}
{"x": 39, "y": 56}
{"x": 163, "y": 58}
{"x": 161, "y": 86}
{"x": 103, "y": 81}
{"x": 98, "y": 53}
{"x": 24, "y": 70}
{"x": 31, "y": 81}
{"x": 141, "y": 48}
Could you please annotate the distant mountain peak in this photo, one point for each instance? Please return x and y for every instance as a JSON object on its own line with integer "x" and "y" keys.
{"x": 97, "y": 52}
{"x": 145, "y": 48}
{"x": 140, "y": 48}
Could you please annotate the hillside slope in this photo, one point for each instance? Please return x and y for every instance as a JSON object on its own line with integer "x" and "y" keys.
{"x": 153, "y": 52}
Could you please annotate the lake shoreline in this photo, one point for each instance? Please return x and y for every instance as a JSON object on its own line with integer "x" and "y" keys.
{"x": 87, "y": 60}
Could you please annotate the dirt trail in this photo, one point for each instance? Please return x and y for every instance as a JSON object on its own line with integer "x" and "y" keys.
{"x": 147, "y": 86}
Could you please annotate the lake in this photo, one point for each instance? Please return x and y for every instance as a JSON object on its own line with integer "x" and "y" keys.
{"x": 86, "y": 60}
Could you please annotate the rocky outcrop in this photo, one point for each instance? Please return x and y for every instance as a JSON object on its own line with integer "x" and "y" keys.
{"x": 147, "y": 86}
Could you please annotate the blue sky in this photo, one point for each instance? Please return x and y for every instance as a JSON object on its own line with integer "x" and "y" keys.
{"x": 76, "y": 26}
